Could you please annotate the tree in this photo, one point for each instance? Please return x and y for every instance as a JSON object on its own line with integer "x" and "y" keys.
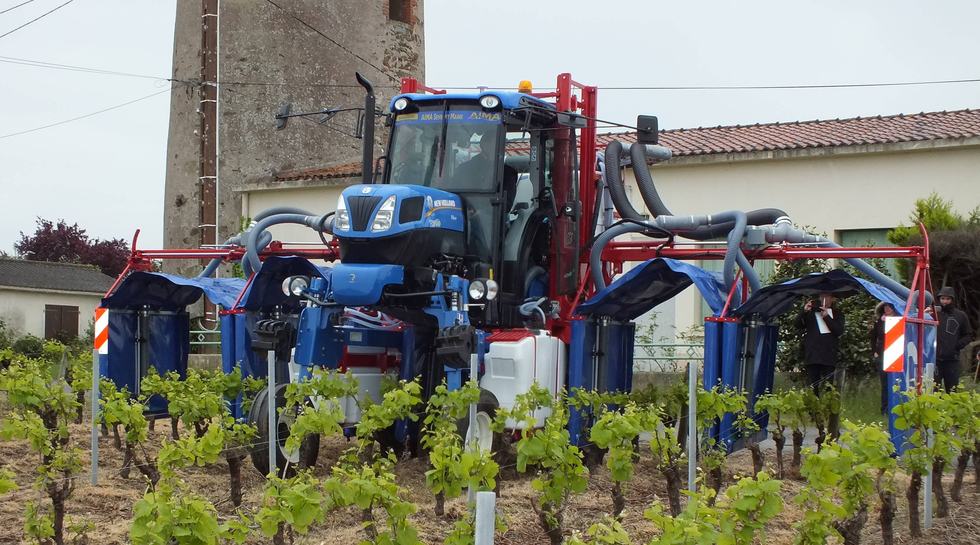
{"x": 63, "y": 243}
{"x": 954, "y": 250}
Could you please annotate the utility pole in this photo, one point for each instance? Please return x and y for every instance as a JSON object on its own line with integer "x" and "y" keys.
{"x": 208, "y": 168}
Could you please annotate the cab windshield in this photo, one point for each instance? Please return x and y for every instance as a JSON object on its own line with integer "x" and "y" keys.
{"x": 451, "y": 147}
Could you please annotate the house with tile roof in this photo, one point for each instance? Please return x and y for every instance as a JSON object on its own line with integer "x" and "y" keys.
{"x": 47, "y": 299}
{"x": 853, "y": 179}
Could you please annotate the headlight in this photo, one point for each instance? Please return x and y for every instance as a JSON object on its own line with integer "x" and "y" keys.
{"x": 492, "y": 290}
{"x": 341, "y": 220}
{"x": 382, "y": 220}
{"x": 489, "y": 102}
{"x": 477, "y": 290}
{"x": 400, "y": 104}
{"x": 295, "y": 285}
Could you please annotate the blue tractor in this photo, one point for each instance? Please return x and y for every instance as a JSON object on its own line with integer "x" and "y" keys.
{"x": 456, "y": 259}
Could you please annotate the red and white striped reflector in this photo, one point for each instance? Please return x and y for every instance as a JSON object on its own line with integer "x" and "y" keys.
{"x": 102, "y": 330}
{"x": 893, "y": 360}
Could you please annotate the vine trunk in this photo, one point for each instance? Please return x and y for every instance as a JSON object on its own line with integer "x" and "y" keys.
{"x": 942, "y": 505}
{"x": 915, "y": 530}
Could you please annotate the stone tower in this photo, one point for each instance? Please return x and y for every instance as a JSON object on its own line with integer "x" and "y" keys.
{"x": 267, "y": 53}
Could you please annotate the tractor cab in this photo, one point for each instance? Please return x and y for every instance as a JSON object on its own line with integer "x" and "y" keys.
{"x": 466, "y": 190}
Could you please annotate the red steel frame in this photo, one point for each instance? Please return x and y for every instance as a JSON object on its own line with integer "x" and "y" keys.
{"x": 574, "y": 97}
{"x": 142, "y": 260}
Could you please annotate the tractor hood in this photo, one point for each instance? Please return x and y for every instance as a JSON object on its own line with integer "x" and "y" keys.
{"x": 383, "y": 210}
{"x": 398, "y": 224}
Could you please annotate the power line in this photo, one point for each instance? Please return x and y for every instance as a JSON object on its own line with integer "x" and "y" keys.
{"x": 776, "y": 87}
{"x": 245, "y": 83}
{"x": 331, "y": 40}
{"x": 747, "y": 87}
{"x": 56, "y": 66}
{"x": 15, "y": 7}
{"x": 43, "y": 15}
{"x": 167, "y": 90}
{"x": 99, "y": 71}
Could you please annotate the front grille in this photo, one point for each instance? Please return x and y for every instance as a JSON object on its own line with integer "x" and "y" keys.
{"x": 360, "y": 208}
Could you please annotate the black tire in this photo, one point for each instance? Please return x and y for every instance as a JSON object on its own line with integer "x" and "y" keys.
{"x": 389, "y": 443}
{"x": 488, "y": 406}
{"x": 592, "y": 456}
{"x": 258, "y": 417}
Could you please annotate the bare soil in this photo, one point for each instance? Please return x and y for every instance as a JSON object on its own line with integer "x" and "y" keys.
{"x": 108, "y": 506}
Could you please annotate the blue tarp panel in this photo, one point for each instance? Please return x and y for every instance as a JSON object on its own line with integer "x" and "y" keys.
{"x": 771, "y": 301}
{"x": 580, "y": 373}
{"x": 712, "y": 353}
{"x": 765, "y": 364}
{"x": 265, "y": 291}
{"x": 161, "y": 341}
{"x": 731, "y": 377}
{"x": 161, "y": 291}
{"x": 617, "y": 376}
{"x": 651, "y": 283}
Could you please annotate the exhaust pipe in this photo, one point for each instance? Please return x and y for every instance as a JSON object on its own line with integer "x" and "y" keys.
{"x": 367, "y": 130}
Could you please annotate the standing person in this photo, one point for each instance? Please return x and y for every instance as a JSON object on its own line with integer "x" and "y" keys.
{"x": 822, "y": 326}
{"x": 882, "y": 311}
{"x": 952, "y": 335}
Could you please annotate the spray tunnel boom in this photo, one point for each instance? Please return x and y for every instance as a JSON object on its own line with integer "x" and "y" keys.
{"x": 620, "y": 252}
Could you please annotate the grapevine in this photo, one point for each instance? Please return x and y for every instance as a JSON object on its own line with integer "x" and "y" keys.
{"x": 617, "y": 431}
{"x": 41, "y": 407}
{"x": 963, "y": 407}
{"x": 919, "y": 414}
{"x": 453, "y": 465}
{"x": 779, "y": 409}
{"x": 559, "y": 462}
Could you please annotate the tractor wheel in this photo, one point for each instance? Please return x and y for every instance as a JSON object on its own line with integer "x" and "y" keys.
{"x": 389, "y": 442}
{"x": 486, "y": 411}
{"x": 592, "y": 456}
{"x": 289, "y": 461}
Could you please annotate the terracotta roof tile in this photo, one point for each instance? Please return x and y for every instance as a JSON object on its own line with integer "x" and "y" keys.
{"x": 758, "y": 137}
{"x": 343, "y": 170}
{"x": 815, "y": 134}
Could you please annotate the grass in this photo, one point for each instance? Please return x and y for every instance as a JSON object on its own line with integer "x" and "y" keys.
{"x": 860, "y": 400}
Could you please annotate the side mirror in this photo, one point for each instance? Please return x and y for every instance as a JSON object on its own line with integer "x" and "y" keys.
{"x": 647, "y": 130}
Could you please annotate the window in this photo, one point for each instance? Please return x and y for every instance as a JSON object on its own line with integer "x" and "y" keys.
{"x": 60, "y": 322}
{"x": 454, "y": 148}
{"x": 869, "y": 237}
{"x": 400, "y": 10}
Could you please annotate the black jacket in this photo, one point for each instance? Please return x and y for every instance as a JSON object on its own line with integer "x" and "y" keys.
{"x": 952, "y": 334}
{"x": 878, "y": 339}
{"x": 820, "y": 349}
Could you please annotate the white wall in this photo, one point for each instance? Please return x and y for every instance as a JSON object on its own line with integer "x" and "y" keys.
{"x": 318, "y": 200}
{"x": 23, "y": 309}
{"x": 827, "y": 192}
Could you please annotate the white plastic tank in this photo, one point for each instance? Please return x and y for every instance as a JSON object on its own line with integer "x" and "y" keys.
{"x": 517, "y": 359}
{"x": 368, "y": 385}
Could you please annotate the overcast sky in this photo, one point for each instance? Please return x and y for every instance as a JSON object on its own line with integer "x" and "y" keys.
{"x": 106, "y": 172}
